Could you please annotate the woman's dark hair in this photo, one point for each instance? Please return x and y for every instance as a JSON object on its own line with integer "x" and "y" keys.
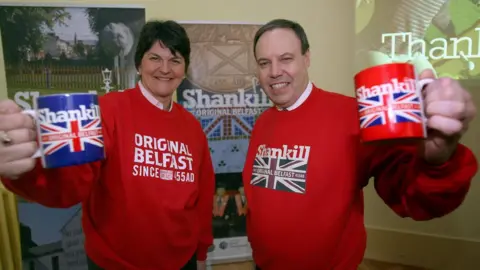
{"x": 170, "y": 33}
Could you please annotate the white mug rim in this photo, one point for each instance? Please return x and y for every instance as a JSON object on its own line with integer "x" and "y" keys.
{"x": 67, "y": 94}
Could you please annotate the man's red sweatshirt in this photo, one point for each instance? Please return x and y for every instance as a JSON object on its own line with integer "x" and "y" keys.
{"x": 149, "y": 204}
{"x": 303, "y": 178}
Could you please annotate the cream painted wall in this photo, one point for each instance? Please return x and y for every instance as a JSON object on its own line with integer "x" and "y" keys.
{"x": 330, "y": 27}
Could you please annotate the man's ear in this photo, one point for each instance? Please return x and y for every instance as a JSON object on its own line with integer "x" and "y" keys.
{"x": 307, "y": 58}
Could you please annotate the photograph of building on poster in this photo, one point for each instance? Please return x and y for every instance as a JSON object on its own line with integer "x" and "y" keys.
{"x": 48, "y": 50}
{"x": 222, "y": 92}
{"x": 51, "y": 50}
{"x": 443, "y": 34}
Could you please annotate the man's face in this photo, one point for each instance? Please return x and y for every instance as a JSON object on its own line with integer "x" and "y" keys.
{"x": 281, "y": 68}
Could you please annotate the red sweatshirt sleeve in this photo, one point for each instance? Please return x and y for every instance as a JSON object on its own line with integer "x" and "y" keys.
{"x": 205, "y": 202}
{"x": 413, "y": 188}
{"x": 66, "y": 186}
{"x": 56, "y": 188}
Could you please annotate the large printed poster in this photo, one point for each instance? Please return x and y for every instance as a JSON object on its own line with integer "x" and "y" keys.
{"x": 55, "y": 49}
{"x": 221, "y": 90}
{"x": 443, "y": 35}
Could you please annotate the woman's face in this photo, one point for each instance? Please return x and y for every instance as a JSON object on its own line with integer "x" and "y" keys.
{"x": 161, "y": 71}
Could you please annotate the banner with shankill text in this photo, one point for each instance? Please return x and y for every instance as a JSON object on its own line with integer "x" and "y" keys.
{"x": 221, "y": 90}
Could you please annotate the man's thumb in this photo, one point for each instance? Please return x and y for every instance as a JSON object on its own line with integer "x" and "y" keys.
{"x": 427, "y": 74}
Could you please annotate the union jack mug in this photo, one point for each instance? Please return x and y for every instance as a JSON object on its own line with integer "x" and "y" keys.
{"x": 69, "y": 129}
{"x": 390, "y": 102}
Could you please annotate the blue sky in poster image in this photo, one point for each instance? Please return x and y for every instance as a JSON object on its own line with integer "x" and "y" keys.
{"x": 45, "y": 223}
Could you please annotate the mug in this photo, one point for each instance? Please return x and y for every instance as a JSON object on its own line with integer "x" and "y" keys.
{"x": 69, "y": 129}
{"x": 390, "y": 102}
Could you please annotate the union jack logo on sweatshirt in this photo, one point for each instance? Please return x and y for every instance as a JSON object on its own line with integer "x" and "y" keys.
{"x": 283, "y": 169}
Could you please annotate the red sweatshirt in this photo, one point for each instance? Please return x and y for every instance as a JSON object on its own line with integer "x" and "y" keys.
{"x": 303, "y": 178}
{"x": 149, "y": 204}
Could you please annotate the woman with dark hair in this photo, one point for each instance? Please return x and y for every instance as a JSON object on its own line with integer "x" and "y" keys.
{"x": 148, "y": 205}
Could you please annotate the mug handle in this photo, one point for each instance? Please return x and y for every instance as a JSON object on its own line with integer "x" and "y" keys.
{"x": 423, "y": 83}
{"x": 33, "y": 114}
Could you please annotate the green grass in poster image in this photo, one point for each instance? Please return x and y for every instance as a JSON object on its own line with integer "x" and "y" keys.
{"x": 464, "y": 14}
{"x": 43, "y": 91}
{"x": 24, "y": 96}
{"x": 20, "y": 85}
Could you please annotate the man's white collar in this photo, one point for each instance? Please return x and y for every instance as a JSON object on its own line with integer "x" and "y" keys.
{"x": 300, "y": 100}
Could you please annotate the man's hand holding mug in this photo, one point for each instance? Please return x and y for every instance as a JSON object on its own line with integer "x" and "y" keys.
{"x": 394, "y": 103}
{"x": 448, "y": 109}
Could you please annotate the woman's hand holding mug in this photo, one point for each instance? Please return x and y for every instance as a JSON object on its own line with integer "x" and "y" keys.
{"x": 18, "y": 140}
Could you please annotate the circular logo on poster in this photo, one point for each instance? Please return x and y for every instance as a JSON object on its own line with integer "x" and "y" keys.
{"x": 222, "y": 56}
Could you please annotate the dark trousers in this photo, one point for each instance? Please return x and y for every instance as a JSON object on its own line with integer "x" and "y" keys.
{"x": 190, "y": 265}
